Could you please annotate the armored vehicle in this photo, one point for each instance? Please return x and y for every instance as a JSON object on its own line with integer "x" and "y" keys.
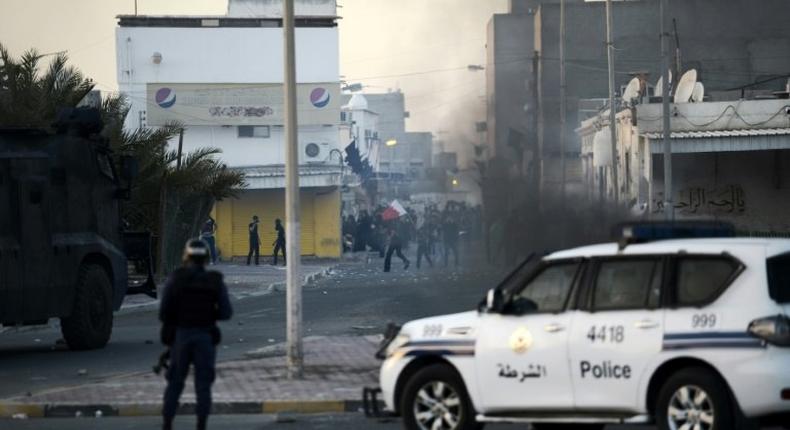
{"x": 61, "y": 237}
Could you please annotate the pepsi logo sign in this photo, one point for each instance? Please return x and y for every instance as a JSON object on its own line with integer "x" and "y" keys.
{"x": 319, "y": 97}
{"x": 165, "y": 97}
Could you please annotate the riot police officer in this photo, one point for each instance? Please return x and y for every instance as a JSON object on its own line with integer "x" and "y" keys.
{"x": 192, "y": 301}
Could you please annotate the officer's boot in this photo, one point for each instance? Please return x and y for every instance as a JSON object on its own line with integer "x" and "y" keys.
{"x": 168, "y": 424}
{"x": 202, "y": 421}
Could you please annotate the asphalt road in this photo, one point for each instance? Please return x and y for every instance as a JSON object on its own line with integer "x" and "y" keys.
{"x": 237, "y": 422}
{"x": 356, "y": 299}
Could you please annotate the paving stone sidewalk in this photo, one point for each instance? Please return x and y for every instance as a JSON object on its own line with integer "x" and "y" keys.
{"x": 336, "y": 370}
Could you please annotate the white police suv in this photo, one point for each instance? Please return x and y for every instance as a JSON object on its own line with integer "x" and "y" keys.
{"x": 689, "y": 334}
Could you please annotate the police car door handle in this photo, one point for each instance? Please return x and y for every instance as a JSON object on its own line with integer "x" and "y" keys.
{"x": 646, "y": 324}
{"x": 554, "y": 328}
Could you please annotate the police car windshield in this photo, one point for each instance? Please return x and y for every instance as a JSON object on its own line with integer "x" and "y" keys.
{"x": 515, "y": 279}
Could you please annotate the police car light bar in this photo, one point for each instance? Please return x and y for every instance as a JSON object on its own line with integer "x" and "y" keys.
{"x": 642, "y": 232}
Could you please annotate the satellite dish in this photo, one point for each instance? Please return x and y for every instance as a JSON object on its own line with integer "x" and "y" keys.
{"x": 632, "y": 90}
{"x": 657, "y": 90}
{"x": 699, "y": 92}
{"x": 685, "y": 86}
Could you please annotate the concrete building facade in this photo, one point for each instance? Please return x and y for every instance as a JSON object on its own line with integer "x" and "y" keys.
{"x": 731, "y": 162}
{"x": 221, "y": 78}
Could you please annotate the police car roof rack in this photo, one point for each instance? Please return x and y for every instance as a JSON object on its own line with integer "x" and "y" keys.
{"x": 628, "y": 233}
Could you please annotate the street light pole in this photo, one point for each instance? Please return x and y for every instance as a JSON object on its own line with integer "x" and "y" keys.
{"x": 295, "y": 355}
{"x": 669, "y": 209}
{"x": 612, "y": 112}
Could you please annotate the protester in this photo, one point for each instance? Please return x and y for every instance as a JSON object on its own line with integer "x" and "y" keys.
{"x": 255, "y": 241}
{"x": 423, "y": 244}
{"x": 395, "y": 245}
{"x": 207, "y": 235}
{"x": 279, "y": 243}
{"x": 450, "y": 239}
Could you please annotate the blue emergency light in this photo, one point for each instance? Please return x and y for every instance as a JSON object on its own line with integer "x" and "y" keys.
{"x": 642, "y": 232}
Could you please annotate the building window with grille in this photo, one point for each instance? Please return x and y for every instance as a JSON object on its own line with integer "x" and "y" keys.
{"x": 253, "y": 131}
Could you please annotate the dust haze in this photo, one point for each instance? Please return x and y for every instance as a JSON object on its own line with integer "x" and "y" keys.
{"x": 422, "y": 47}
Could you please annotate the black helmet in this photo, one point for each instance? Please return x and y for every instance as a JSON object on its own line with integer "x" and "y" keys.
{"x": 196, "y": 250}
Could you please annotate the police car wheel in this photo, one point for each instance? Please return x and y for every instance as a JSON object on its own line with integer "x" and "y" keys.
{"x": 435, "y": 399}
{"x": 90, "y": 324}
{"x": 695, "y": 398}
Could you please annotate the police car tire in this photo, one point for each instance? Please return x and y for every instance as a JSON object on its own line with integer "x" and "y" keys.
{"x": 439, "y": 373}
{"x": 724, "y": 414}
{"x": 92, "y": 297}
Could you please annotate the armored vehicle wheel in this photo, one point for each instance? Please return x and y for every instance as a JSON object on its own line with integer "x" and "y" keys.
{"x": 90, "y": 324}
{"x": 435, "y": 399}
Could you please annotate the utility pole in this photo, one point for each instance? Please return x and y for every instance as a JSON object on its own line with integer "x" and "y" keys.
{"x": 612, "y": 111}
{"x": 669, "y": 208}
{"x": 678, "y": 64}
{"x": 563, "y": 108}
{"x": 295, "y": 356}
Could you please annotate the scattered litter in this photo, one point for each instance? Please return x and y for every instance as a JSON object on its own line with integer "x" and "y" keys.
{"x": 37, "y": 340}
{"x": 98, "y": 413}
{"x": 77, "y": 414}
{"x": 82, "y": 372}
{"x": 241, "y": 340}
{"x": 324, "y": 292}
{"x": 224, "y": 346}
{"x": 19, "y": 416}
{"x": 363, "y": 327}
{"x": 271, "y": 340}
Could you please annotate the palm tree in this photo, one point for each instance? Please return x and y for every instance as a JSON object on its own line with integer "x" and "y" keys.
{"x": 169, "y": 201}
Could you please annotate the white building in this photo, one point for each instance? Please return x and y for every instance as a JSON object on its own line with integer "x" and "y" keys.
{"x": 221, "y": 77}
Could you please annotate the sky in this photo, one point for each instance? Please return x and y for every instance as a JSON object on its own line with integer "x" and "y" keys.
{"x": 421, "y": 47}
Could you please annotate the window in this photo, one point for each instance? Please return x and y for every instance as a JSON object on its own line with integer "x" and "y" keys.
{"x": 253, "y": 131}
{"x": 628, "y": 284}
{"x": 548, "y": 291}
{"x": 702, "y": 279}
{"x": 779, "y": 278}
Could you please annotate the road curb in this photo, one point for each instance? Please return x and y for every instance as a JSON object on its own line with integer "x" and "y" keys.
{"x": 23, "y": 410}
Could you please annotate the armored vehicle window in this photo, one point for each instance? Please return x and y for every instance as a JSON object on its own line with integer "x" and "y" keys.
{"x": 779, "y": 277}
{"x": 627, "y": 284}
{"x": 701, "y": 279}
{"x": 548, "y": 290}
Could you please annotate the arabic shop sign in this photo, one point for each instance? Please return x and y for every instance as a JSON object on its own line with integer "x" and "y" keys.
{"x": 240, "y": 104}
{"x": 727, "y": 199}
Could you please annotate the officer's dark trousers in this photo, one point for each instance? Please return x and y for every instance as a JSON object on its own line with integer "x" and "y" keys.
{"x": 388, "y": 259}
{"x": 255, "y": 248}
{"x": 279, "y": 246}
{"x": 192, "y": 346}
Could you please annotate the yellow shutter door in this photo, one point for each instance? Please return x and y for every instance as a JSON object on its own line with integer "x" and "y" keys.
{"x": 269, "y": 205}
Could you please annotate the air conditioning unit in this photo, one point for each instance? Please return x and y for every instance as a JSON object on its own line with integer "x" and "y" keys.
{"x": 315, "y": 152}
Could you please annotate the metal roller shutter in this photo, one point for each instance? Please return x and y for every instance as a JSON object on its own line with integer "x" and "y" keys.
{"x": 269, "y": 205}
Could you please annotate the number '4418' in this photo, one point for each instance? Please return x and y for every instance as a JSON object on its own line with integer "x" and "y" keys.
{"x": 604, "y": 333}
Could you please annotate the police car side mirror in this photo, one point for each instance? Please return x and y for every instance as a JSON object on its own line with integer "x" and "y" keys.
{"x": 494, "y": 301}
